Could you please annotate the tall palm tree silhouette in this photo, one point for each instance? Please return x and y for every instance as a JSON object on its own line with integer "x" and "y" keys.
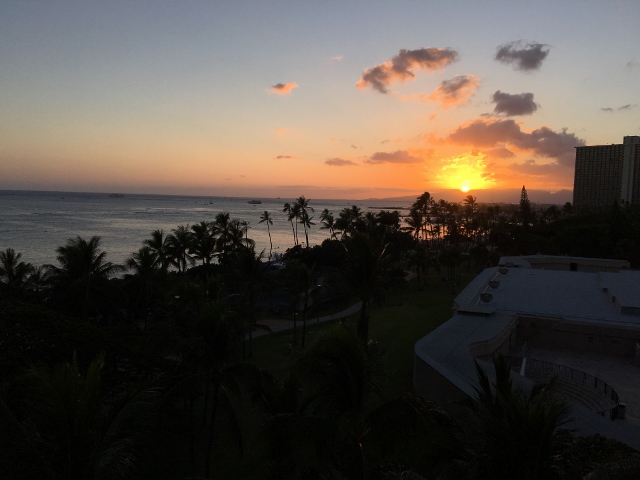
{"x": 179, "y": 241}
{"x": 160, "y": 245}
{"x": 303, "y": 209}
{"x": 290, "y": 216}
{"x": 266, "y": 218}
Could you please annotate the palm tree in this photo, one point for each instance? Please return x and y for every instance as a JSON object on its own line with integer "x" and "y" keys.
{"x": 515, "y": 434}
{"x": 349, "y": 220}
{"x": 144, "y": 266}
{"x": 203, "y": 242}
{"x": 222, "y": 227}
{"x": 207, "y": 341}
{"x": 304, "y": 209}
{"x": 290, "y": 217}
{"x": 13, "y": 272}
{"x": 364, "y": 268}
{"x": 237, "y": 236}
{"x": 38, "y": 279}
{"x": 305, "y": 220}
{"x": 328, "y": 223}
{"x": 161, "y": 246}
{"x": 63, "y": 430}
{"x": 266, "y": 218}
{"x": 294, "y": 217}
{"x": 415, "y": 222}
{"x": 343, "y": 386}
{"x": 83, "y": 271}
{"x": 179, "y": 242}
{"x": 470, "y": 201}
{"x": 247, "y": 273}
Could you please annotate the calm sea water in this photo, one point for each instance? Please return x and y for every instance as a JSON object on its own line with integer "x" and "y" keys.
{"x": 36, "y": 223}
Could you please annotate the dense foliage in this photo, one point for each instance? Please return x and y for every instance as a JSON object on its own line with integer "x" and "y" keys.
{"x": 143, "y": 370}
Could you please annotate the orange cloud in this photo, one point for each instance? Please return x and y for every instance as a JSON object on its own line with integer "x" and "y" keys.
{"x": 399, "y": 68}
{"x": 284, "y": 88}
{"x": 285, "y": 157}
{"x": 456, "y": 91}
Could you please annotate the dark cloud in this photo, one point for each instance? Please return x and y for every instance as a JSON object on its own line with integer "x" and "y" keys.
{"x": 500, "y": 152}
{"x": 543, "y": 141}
{"x": 339, "y": 162}
{"x": 353, "y": 146}
{"x": 525, "y": 57}
{"x": 400, "y": 156}
{"x": 455, "y": 91}
{"x": 284, "y": 88}
{"x": 399, "y": 68}
{"x": 516, "y": 104}
{"x": 634, "y": 63}
{"x": 623, "y": 108}
{"x": 481, "y": 133}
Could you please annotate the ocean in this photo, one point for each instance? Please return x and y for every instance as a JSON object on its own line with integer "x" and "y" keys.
{"x": 36, "y": 223}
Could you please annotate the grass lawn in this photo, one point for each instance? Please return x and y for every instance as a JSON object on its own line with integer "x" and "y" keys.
{"x": 404, "y": 318}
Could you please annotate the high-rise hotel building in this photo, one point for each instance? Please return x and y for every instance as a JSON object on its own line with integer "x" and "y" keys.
{"x": 605, "y": 174}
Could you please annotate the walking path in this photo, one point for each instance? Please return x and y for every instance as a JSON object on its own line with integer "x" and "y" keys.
{"x": 277, "y": 325}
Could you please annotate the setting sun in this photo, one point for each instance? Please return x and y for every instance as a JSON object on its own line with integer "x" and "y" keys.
{"x": 464, "y": 188}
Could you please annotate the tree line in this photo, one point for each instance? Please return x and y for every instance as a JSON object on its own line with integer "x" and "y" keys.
{"x": 176, "y": 395}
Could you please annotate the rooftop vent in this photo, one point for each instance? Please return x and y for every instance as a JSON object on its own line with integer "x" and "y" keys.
{"x": 486, "y": 297}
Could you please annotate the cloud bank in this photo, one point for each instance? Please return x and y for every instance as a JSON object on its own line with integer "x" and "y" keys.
{"x": 284, "y": 88}
{"x": 525, "y": 57}
{"x": 512, "y": 105}
{"x": 456, "y": 91}
{"x": 400, "y": 67}
{"x": 542, "y": 141}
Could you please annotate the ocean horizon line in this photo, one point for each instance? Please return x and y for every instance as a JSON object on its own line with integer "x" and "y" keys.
{"x": 449, "y": 193}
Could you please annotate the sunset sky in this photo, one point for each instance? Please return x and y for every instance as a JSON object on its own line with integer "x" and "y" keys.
{"x": 328, "y": 99}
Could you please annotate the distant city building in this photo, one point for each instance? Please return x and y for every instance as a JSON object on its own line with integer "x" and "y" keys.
{"x": 605, "y": 174}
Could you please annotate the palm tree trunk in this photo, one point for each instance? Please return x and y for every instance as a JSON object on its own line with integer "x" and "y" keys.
{"x": 363, "y": 321}
{"x": 214, "y": 412}
{"x": 270, "y": 242}
{"x": 304, "y": 314}
{"x": 295, "y": 240}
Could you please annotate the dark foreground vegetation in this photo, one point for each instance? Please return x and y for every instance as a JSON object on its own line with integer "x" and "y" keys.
{"x": 152, "y": 369}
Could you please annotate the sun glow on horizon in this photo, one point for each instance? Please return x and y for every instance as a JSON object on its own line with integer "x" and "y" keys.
{"x": 465, "y": 172}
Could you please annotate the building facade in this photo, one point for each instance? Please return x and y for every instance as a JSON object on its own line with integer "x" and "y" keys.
{"x": 605, "y": 174}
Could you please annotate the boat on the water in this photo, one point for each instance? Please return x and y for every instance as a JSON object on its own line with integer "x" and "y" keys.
{"x": 254, "y": 202}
